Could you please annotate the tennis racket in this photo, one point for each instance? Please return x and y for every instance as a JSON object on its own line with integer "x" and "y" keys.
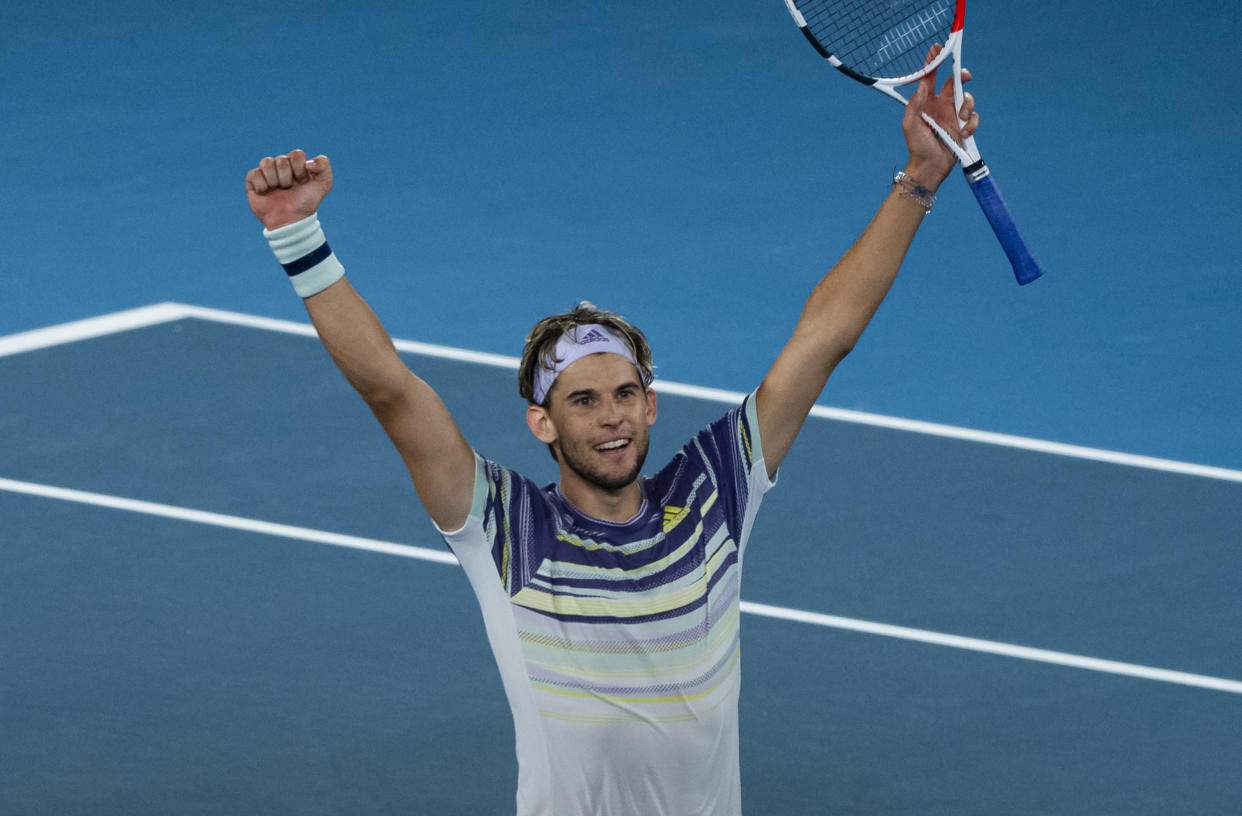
{"x": 883, "y": 43}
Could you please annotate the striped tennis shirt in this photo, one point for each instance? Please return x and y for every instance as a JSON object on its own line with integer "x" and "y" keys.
{"x": 617, "y": 643}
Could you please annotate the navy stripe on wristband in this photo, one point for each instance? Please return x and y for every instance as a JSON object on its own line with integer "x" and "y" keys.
{"x": 312, "y": 259}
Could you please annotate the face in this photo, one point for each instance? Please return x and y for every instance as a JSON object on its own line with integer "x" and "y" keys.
{"x": 597, "y": 417}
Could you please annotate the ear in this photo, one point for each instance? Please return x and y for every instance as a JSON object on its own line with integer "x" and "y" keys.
{"x": 540, "y": 423}
{"x": 652, "y": 410}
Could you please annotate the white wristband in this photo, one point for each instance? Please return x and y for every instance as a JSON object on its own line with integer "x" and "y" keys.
{"x": 304, "y": 253}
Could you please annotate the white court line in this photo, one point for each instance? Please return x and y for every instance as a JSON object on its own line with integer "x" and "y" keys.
{"x": 764, "y": 610}
{"x": 996, "y": 648}
{"x": 221, "y": 520}
{"x": 165, "y": 312}
{"x": 91, "y": 327}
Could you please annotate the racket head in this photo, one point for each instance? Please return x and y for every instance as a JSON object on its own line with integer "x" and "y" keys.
{"x": 881, "y": 40}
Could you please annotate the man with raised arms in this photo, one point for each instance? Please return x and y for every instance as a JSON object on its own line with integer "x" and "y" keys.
{"x": 610, "y": 599}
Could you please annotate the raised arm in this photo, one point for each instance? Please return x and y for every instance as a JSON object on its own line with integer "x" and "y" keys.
{"x": 287, "y": 190}
{"x": 842, "y": 304}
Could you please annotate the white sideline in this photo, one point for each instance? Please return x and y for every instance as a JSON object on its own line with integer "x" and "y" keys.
{"x": 762, "y": 610}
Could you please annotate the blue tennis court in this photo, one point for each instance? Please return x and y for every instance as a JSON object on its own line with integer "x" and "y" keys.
{"x": 1000, "y": 571}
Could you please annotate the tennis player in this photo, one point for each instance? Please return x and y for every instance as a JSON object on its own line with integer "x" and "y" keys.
{"x": 610, "y": 599}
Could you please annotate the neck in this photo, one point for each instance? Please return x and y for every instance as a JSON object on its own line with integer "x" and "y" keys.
{"x": 617, "y": 506}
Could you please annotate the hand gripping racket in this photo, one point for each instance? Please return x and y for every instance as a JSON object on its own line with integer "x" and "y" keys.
{"x": 883, "y": 43}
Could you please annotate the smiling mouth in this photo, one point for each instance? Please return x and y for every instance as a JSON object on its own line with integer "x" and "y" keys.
{"x": 616, "y": 444}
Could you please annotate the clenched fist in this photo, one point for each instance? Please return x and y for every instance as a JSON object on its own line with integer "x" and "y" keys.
{"x": 288, "y": 188}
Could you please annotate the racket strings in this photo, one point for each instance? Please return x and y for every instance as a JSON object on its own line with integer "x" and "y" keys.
{"x": 886, "y": 39}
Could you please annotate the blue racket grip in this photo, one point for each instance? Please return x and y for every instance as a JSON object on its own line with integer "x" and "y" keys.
{"x": 1025, "y": 269}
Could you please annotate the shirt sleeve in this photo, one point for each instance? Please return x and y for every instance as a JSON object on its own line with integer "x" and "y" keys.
{"x": 733, "y": 454}
{"x": 510, "y": 517}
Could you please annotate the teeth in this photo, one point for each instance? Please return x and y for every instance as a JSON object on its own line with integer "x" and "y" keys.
{"x": 612, "y": 445}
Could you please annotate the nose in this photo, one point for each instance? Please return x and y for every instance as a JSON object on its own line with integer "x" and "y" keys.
{"x": 610, "y": 413}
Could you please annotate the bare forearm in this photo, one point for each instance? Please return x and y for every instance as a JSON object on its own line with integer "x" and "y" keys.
{"x": 357, "y": 342}
{"x": 832, "y": 321}
{"x": 843, "y": 303}
{"x": 437, "y": 456}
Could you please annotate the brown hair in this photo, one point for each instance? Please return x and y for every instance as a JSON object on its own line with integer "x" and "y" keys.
{"x": 541, "y": 343}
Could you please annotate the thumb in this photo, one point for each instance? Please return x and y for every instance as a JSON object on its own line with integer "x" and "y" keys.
{"x": 320, "y": 168}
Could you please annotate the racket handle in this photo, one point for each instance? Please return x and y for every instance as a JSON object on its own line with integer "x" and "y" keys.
{"x": 1025, "y": 268}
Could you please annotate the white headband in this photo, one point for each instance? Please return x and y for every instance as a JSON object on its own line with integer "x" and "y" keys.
{"x": 573, "y": 345}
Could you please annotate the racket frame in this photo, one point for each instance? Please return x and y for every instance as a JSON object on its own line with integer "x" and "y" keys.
{"x": 888, "y": 86}
{"x": 1025, "y": 268}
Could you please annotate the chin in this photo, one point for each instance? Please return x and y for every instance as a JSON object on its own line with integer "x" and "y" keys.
{"x": 618, "y": 477}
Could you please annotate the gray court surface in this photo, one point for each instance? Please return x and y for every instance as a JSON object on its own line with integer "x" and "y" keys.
{"x": 156, "y": 662}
